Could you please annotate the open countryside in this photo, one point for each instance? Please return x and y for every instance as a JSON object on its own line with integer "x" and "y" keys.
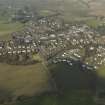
{"x": 52, "y": 52}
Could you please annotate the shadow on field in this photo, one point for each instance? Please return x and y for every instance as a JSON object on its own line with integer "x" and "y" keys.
{"x": 5, "y": 96}
{"x": 75, "y": 85}
{"x": 73, "y": 77}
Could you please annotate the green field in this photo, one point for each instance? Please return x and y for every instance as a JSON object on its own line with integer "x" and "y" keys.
{"x": 101, "y": 71}
{"x": 29, "y": 80}
{"x": 23, "y": 80}
{"x": 80, "y": 97}
{"x": 7, "y": 28}
{"x": 75, "y": 84}
{"x": 101, "y": 79}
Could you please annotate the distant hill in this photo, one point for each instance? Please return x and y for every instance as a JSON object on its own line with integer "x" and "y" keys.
{"x": 70, "y": 9}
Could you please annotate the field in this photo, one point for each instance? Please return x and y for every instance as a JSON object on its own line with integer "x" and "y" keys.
{"x": 75, "y": 84}
{"x": 7, "y": 28}
{"x": 101, "y": 71}
{"x": 101, "y": 79}
{"x": 23, "y": 80}
{"x": 70, "y": 98}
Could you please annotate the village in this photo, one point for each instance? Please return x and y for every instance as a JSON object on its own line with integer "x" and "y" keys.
{"x": 56, "y": 41}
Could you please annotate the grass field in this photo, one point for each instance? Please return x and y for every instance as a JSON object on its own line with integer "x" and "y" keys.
{"x": 101, "y": 71}
{"x": 101, "y": 79}
{"x": 80, "y": 97}
{"x": 23, "y": 80}
{"x": 7, "y": 28}
{"x": 76, "y": 88}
